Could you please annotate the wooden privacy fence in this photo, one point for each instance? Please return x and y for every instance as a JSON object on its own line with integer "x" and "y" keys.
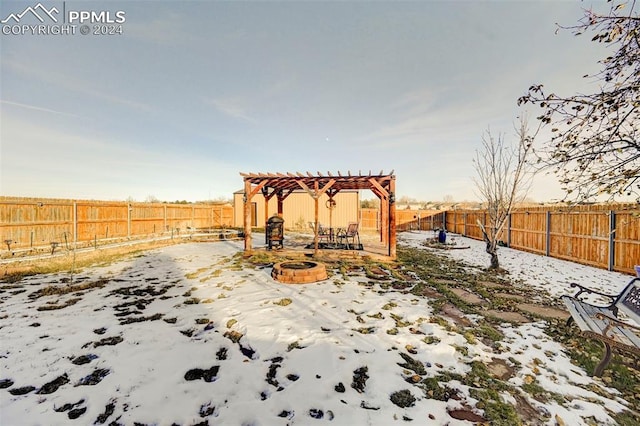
{"x": 32, "y": 223}
{"x": 599, "y": 236}
{"x": 406, "y": 220}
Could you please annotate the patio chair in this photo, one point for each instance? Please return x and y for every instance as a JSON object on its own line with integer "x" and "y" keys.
{"x": 348, "y": 237}
{"x": 323, "y": 234}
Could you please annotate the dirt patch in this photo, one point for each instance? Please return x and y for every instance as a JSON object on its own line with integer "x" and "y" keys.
{"x": 360, "y": 377}
{"x": 22, "y": 390}
{"x": 57, "y": 290}
{"x": 6, "y": 383}
{"x": 208, "y": 375}
{"x": 445, "y": 281}
{"x": 377, "y": 273}
{"x": 83, "y": 359}
{"x": 544, "y": 311}
{"x": 107, "y": 341}
{"x": 514, "y": 317}
{"x": 467, "y": 415}
{"x": 525, "y": 410}
{"x": 500, "y": 369}
{"x": 53, "y": 385}
{"x": 510, "y": 296}
{"x": 94, "y": 378}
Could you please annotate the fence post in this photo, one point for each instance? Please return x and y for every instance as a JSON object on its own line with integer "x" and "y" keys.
{"x": 128, "y": 220}
{"x": 612, "y": 238}
{"x": 464, "y": 224}
{"x": 547, "y": 249}
{"x": 165, "y": 221}
{"x": 75, "y": 224}
{"x": 509, "y": 230}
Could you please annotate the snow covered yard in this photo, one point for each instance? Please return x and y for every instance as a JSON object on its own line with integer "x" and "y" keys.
{"x": 192, "y": 334}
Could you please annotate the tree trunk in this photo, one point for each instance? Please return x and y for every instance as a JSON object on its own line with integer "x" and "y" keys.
{"x": 492, "y": 249}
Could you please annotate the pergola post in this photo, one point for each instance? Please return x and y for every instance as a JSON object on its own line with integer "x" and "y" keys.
{"x": 392, "y": 218}
{"x": 267, "y": 197}
{"x": 247, "y": 216}
{"x": 317, "y": 216}
{"x": 280, "y": 197}
{"x": 384, "y": 222}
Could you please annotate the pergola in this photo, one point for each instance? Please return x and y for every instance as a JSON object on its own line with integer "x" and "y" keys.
{"x": 281, "y": 185}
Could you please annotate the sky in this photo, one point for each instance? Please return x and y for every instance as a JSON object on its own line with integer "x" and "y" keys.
{"x": 188, "y": 94}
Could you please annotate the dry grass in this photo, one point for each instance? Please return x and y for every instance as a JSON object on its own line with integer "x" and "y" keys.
{"x": 14, "y": 271}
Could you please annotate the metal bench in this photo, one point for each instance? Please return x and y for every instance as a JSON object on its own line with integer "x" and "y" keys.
{"x": 602, "y": 322}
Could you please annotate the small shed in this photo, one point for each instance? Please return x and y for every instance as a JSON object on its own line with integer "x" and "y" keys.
{"x": 282, "y": 185}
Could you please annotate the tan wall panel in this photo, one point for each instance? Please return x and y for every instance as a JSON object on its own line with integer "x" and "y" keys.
{"x": 298, "y": 209}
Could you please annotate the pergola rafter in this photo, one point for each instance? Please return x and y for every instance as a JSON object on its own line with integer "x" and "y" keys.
{"x": 282, "y": 185}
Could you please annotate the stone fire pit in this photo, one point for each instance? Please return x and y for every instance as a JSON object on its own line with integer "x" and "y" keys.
{"x": 299, "y": 272}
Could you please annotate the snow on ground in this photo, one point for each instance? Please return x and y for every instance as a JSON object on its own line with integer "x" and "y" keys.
{"x": 552, "y": 276}
{"x": 187, "y": 335}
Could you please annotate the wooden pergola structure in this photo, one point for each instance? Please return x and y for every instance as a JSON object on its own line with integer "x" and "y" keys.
{"x": 281, "y": 185}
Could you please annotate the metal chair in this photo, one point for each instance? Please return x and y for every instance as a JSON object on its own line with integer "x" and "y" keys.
{"x": 324, "y": 234}
{"x": 350, "y": 234}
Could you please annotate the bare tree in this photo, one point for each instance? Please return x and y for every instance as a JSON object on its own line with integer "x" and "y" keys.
{"x": 503, "y": 178}
{"x": 595, "y": 148}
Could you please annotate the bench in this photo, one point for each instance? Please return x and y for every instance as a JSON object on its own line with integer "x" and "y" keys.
{"x": 602, "y": 322}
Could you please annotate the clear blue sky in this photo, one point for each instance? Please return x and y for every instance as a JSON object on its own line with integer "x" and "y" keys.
{"x": 194, "y": 92}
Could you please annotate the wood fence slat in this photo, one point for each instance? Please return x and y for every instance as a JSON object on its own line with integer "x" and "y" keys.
{"x": 29, "y": 223}
{"x": 575, "y": 234}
